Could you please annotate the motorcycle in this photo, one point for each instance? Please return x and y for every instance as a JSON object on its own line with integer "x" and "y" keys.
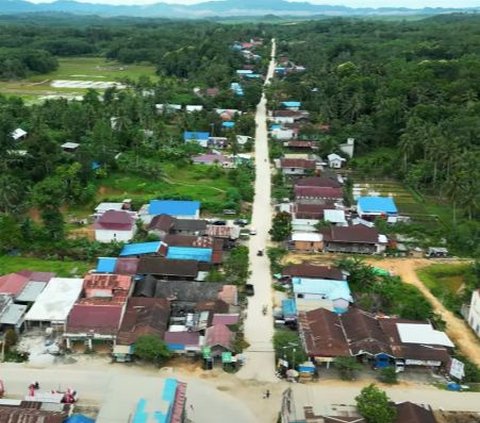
{"x": 264, "y": 310}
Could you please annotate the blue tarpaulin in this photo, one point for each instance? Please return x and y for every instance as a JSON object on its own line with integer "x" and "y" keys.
{"x": 174, "y": 208}
{"x": 377, "y": 205}
{"x": 190, "y": 253}
{"x": 79, "y": 418}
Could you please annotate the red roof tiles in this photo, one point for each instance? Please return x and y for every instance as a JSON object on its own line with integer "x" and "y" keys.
{"x": 13, "y": 283}
{"x": 318, "y": 192}
{"x": 103, "y": 318}
{"x": 306, "y": 270}
{"x": 115, "y": 220}
{"x": 298, "y": 163}
{"x": 219, "y": 335}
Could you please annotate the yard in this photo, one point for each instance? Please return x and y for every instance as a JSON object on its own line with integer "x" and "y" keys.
{"x": 10, "y": 264}
{"x": 446, "y": 282}
{"x": 95, "y": 69}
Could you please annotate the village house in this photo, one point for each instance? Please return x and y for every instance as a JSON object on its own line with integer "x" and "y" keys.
{"x": 291, "y": 105}
{"x": 37, "y": 281}
{"x": 161, "y": 225}
{"x": 70, "y": 147}
{"x": 52, "y": 307}
{"x": 139, "y": 249}
{"x": 307, "y": 241}
{"x": 19, "y": 134}
{"x": 289, "y": 116}
{"x": 200, "y": 138}
{"x": 174, "y": 208}
{"x": 117, "y": 265}
{"x": 115, "y": 226}
{"x": 371, "y": 208}
{"x": 167, "y": 269}
{"x": 317, "y": 195}
{"x": 300, "y": 145}
{"x": 143, "y": 316}
{"x": 297, "y": 166}
{"x": 12, "y": 315}
{"x": 219, "y": 338}
{"x": 304, "y": 225}
{"x": 348, "y": 147}
{"x": 473, "y": 318}
{"x": 355, "y": 239}
{"x": 96, "y": 317}
{"x": 311, "y": 211}
{"x": 311, "y": 294}
{"x": 214, "y": 160}
{"x": 335, "y": 161}
{"x": 200, "y": 248}
{"x": 278, "y": 132}
{"x": 380, "y": 341}
{"x": 191, "y": 108}
{"x": 106, "y": 206}
{"x": 310, "y": 271}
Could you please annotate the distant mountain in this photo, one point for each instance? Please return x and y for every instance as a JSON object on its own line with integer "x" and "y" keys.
{"x": 221, "y": 8}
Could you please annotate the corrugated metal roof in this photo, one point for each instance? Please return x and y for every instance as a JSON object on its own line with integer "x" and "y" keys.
{"x": 289, "y": 308}
{"x": 140, "y": 248}
{"x": 13, "y": 314}
{"x": 31, "y": 291}
{"x": 190, "y": 253}
{"x": 330, "y": 289}
{"x": 174, "y": 207}
{"x": 377, "y": 205}
{"x": 106, "y": 264}
{"x": 291, "y": 103}
{"x": 187, "y": 135}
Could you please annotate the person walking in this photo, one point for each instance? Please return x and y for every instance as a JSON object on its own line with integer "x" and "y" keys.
{"x": 267, "y": 394}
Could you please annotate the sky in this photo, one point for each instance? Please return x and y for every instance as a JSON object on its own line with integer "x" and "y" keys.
{"x": 351, "y": 3}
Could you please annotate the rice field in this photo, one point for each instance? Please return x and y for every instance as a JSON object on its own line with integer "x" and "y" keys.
{"x": 74, "y": 76}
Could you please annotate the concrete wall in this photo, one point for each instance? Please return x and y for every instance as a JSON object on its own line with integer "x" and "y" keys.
{"x": 102, "y": 235}
{"x": 474, "y": 314}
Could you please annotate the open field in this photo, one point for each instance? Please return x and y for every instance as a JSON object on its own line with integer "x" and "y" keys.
{"x": 95, "y": 69}
{"x": 449, "y": 277}
{"x": 190, "y": 181}
{"x": 420, "y": 208}
{"x": 10, "y": 264}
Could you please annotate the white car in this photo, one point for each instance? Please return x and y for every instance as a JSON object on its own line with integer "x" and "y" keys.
{"x": 253, "y": 231}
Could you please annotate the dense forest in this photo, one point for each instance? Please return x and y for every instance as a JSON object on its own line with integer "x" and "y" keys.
{"x": 408, "y": 92}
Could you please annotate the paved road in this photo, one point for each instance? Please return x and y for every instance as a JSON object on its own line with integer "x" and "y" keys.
{"x": 259, "y": 357}
{"x": 118, "y": 387}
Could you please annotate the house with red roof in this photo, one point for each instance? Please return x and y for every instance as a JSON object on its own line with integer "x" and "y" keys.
{"x": 98, "y": 314}
{"x": 13, "y": 284}
{"x": 297, "y": 166}
{"x": 115, "y": 225}
{"x": 220, "y": 339}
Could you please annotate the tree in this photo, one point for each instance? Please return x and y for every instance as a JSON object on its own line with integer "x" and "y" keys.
{"x": 281, "y": 226}
{"x": 287, "y": 346}
{"x": 388, "y": 375}
{"x": 374, "y": 405}
{"x": 151, "y": 348}
{"x": 236, "y": 265}
{"x": 347, "y": 366}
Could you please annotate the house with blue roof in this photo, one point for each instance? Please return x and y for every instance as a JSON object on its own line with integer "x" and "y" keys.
{"x": 370, "y": 208}
{"x": 168, "y": 407}
{"x": 190, "y": 253}
{"x": 237, "y": 89}
{"x": 311, "y": 294}
{"x": 253, "y": 76}
{"x": 141, "y": 249}
{"x": 180, "y": 209}
{"x": 243, "y": 72}
{"x": 292, "y": 105}
{"x": 106, "y": 264}
{"x": 228, "y": 125}
{"x": 200, "y": 138}
{"x": 289, "y": 310}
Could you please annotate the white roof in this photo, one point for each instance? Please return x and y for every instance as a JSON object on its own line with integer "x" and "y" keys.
{"x": 70, "y": 145}
{"x": 103, "y": 207}
{"x": 18, "y": 133}
{"x": 422, "y": 333}
{"x": 193, "y": 107}
{"x": 56, "y": 300}
{"x": 13, "y": 314}
{"x": 307, "y": 236}
{"x": 335, "y": 156}
{"x": 334, "y": 216}
{"x": 382, "y": 239}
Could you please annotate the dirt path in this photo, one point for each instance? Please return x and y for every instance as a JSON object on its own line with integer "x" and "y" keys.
{"x": 457, "y": 329}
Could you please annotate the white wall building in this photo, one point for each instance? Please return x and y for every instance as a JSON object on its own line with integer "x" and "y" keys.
{"x": 474, "y": 312}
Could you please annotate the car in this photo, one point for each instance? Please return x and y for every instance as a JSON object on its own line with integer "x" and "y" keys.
{"x": 219, "y": 222}
{"x": 253, "y": 231}
{"x": 241, "y": 222}
{"x": 249, "y": 289}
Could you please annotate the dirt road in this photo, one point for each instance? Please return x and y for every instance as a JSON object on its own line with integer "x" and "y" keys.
{"x": 259, "y": 357}
{"x": 457, "y": 329}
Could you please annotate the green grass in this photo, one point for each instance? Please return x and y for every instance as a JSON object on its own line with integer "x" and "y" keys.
{"x": 75, "y": 68}
{"x": 192, "y": 181}
{"x": 9, "y": 264}
{"x": 449, "y": 277}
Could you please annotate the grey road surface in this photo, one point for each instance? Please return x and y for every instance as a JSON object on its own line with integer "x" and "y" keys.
{"x": 259, "y": 357}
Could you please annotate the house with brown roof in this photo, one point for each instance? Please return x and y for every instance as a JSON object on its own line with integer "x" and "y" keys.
{"x": 408, "y": 412}
{"x": 161, "y": 225}
{"x": 143, "y": 316}
{"x": 319, "y": 181}
{"x": 34, "y": 412}
{"x": 297, "y": 166}
{"x": 306, "y": 270}
{"x": 97, "y": 315}
{"x": 167, "y": 269}
{"x": 115, "y": 225}
{"x": 13, "y": 284}
{"x": 380, "y": 341}
{"x": 220, "y": 339}
{"x": 317, "y": 195}
{"x": 305, "y": 211}
{"x": 193, "y": 227}
{"x": 355, "y": 239}
{"x": 300, "y": 145}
